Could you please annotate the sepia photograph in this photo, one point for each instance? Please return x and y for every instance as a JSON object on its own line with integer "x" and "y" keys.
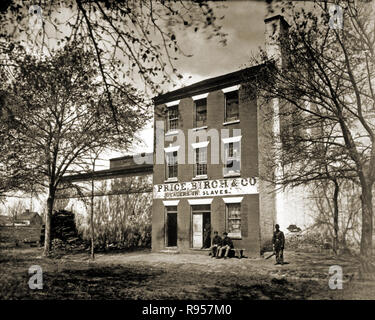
{"x": 187, "y": 157}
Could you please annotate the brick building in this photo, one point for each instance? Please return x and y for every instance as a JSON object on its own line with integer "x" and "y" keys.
{"x": 209, "y": 141}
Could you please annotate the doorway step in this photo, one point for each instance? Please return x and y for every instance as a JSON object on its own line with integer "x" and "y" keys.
{"x": 171, "y": 250}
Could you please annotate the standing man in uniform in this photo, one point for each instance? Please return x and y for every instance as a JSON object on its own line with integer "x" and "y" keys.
{"x": 278, "y": 241}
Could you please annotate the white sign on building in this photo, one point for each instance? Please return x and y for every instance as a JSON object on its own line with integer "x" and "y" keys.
{"x": 206, "y": 188}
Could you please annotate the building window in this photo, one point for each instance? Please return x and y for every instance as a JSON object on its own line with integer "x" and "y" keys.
{"x": 200, "y": 161}
{"x": 172, "y": 166}
{"x": 231, "y": 106}
{"x": 232, "y": 161}
{"x": 200, "y": 113}
{"x": 172, "y": 118}
{"x": 234, "y": 219}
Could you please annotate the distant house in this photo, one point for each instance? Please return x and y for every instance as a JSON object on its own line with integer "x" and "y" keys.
{"x": 29, "y": 218}
{"x": 5, "y": 221}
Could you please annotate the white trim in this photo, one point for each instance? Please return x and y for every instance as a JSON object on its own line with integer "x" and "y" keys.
{"x": 171, "y": 149}
{"x": 200, "y": 96}
{"x": 200, "y": 128}
{"x": 173, "y": 103}
{"x": 200, "y": 177}
{"x": 200, "y": 144}
{"x": 231, "y": 122}
{"x": 229, "y": 89}
{"x": 170, "y": 202}
{"x": 171, "y": 133}
{"x": 200, "y": 201}
{"x": 232, "y": 139}
{"x": 233, "y": 200}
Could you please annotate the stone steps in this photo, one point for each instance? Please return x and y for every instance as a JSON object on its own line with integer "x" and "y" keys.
{"x": 170, "y": 251}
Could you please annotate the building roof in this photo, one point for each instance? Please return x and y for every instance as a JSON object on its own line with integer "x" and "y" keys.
{"x": 120, "y": 166}
{"x": 127, "y": 157}
{"x": 111, "y": 173}
{"x": 128, "y": 160}
{"x": 208, "y": 85}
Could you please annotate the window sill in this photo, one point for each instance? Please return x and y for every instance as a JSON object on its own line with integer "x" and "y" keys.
{"x": 171, "y": 133}
{"x": 202, "y": 177}
{"x": 171, "y": 180}
{"x": 231, "y": 122}
{"x": 200, "y": 128}
{"x": 229, "y": 175}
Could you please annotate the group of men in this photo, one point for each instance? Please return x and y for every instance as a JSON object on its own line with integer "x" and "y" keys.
{"x": 220, "y": 244}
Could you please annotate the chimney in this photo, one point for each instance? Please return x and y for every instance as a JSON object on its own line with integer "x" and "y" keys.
{"x": 275, "y": 28}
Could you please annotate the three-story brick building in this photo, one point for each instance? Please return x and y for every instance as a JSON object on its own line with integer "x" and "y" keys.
{"x": 209, "y": 138}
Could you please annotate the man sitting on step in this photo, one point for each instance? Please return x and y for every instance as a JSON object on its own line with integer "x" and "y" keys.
{"x": 216, "y": 243}
{"x": 226, "y": 244}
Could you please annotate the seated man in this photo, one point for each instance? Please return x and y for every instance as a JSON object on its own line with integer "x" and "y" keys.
{"x": 226, "y": 244}
{"x": 216, "y": 243}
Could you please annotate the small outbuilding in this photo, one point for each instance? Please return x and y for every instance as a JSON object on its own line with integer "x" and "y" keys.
{"x": 29, "y": 218}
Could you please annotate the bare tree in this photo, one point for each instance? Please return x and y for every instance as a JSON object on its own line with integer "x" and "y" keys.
{"x": 63, "y": 116}
{"x": 94, "y": 158}
{"x": 14, "y": 171}
{"x": 15, "y": 209}
{"x": 335, "y": 211}
{"x": 131, "y": 39}
{"x": 326, "y": 76}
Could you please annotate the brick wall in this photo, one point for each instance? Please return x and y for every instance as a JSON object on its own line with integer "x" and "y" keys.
{"x": 251, "y": 218}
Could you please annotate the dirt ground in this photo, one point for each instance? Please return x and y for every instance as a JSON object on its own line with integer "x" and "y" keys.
{"x": 145, "y": 275}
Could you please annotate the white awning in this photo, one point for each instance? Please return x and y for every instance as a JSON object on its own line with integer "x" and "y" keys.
{"x": 229, "y": 89}
{"x": 170, "y": 202}
{"x": 233, "y": 199}
{"x": 173, "y": 103}
{"x": 232, "y": 139}
{"x": 193, "y": 202}
{"x": 200, "y": 144}
{"x": 171, "y": 149}
{"x": 200, "y": 96}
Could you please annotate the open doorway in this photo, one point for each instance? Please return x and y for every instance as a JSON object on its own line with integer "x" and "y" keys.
{"x": 171, "y": 226}
{"x": 201, "y": 226}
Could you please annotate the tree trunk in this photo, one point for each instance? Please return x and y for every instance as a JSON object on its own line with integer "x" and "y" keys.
{"x": 335, "y": 246}
{"x": 367, "y": 269}
{"x": 47, "y": 235}
{"x": 367, "y": 223}
{"x": 92, "y": 214}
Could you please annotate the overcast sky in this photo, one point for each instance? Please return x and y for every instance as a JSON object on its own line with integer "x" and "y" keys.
{"x": 244, "y": 24}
